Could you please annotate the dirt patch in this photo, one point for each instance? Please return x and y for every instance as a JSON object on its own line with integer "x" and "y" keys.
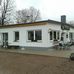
{"x": 13, "y": 63}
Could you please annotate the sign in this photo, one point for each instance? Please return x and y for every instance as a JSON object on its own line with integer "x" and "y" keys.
{"x": 65, "y": 27}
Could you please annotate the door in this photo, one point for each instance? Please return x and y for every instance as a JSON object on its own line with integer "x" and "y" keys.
{"x": 71, "y": 36}
{"x": 5, "y": 39}
{"x": 64, "y": 37}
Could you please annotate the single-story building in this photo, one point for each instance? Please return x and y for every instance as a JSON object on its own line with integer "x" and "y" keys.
{"x": 36, "y": 34}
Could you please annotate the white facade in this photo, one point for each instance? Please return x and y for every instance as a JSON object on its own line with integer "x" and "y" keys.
{"x": 23, "y": 35}
{"x": 23, "y": 38}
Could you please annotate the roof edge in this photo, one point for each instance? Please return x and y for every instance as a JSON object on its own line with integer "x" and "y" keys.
{"x": 37, "y": 22}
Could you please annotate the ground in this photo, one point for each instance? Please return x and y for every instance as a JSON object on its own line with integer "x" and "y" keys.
{"x": 22, "y": 63}
{"x": 49, "y": 52}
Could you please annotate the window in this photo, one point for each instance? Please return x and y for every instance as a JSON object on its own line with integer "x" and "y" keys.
{"x": 54, "y": 35}
{"x": 38, "y": 35}
{"x": 31, "y": 35}
{"x": 35, "y": 35}
{"x": 50, "y": 35}
{"x": 58, "y": 35}
{"x": 66, "y": 35}
{"x": 16, "y": 36}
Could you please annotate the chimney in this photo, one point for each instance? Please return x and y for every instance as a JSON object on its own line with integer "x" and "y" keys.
{"x": 63, "y": 19}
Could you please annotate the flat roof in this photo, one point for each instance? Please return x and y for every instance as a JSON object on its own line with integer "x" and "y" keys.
{"x": 34, "y": 24}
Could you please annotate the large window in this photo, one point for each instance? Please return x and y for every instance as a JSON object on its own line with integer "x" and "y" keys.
{"x": 35, "y": 35}
{"x": 16, "y": 36}
{"x": 38, "y": 35}
{"x": 54, "y": 35}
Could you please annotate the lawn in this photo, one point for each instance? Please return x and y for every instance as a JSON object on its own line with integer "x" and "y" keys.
{"x": 20, "y": 63}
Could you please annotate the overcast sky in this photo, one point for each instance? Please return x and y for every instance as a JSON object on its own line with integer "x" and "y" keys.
{"x": 50, "y": 9}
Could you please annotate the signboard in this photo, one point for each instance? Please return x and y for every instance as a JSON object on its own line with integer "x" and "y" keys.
{"x": 65, "y": 27}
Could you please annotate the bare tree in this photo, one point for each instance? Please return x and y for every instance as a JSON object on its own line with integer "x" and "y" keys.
{"x": 28, "y": 15}
{"x": 6, "y": 11}
{"x": 22, "y": 16}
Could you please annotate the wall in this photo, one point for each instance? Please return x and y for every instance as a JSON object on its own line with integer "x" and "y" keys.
{"x": 52, "y": 27}
{"x": 72, "y": 30}
{"x": 23, "y": 36}
{"x": 57, "y": 27}
{"x": 46, "y": 42}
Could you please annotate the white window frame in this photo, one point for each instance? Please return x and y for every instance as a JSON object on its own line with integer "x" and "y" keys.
{"x": 34, "y": 35}
{"x": 14, "y": 36}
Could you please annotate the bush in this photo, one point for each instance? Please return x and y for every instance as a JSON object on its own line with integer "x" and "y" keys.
{"x": 72, "y": 56}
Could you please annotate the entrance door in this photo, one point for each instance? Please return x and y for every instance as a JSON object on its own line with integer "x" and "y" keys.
{"x": 5, "y": 39}
{"x": 71, "y": 36}
{"x": 64, "y": 37}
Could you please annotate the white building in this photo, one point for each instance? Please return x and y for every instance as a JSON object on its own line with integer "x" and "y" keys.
{"x": 37, "y": 34}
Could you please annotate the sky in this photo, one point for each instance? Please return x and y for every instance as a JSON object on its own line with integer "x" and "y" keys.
{"x": 50, "y": 9}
